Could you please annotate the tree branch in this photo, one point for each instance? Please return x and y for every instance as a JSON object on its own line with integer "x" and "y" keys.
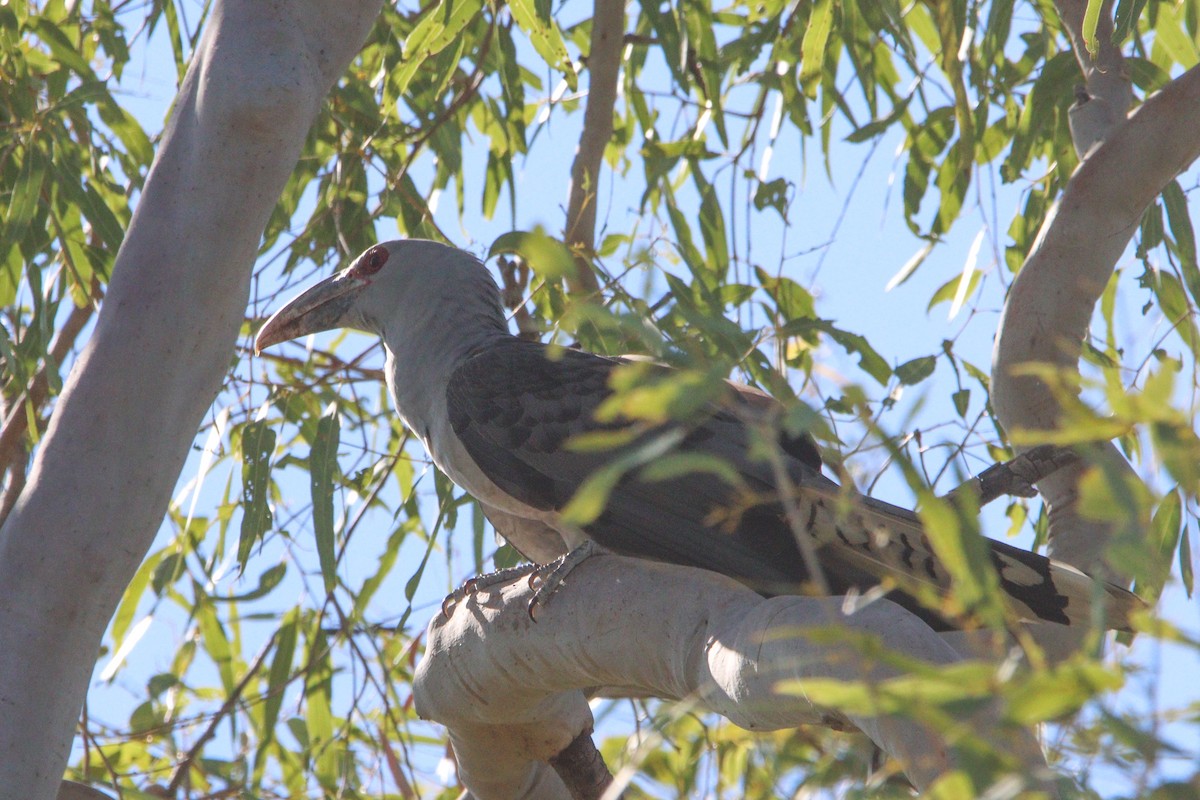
{"x": 1107, "y": 92}
{"x": 512, "y": 692}
{"x": 604, "y": 65}
{"x": 103, "y": 475}
{"x": 1050, "y": 304}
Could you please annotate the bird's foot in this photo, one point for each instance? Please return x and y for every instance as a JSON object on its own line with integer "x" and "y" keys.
{"x": 479, "y": 583}
{"x": 545, "y": 579}
{"x": 1017, "y": 477}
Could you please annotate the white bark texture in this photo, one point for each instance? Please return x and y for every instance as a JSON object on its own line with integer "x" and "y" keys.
{"x": 511, "y": 691}
{"x": 1051, "y": 301}
{"x": 1107, "y": 88}
{"x": 164, "y": 338}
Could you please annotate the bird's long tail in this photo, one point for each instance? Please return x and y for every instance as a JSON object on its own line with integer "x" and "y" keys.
{"x": 889, "y": 542}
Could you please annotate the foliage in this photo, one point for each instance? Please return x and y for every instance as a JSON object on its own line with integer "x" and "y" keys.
{"x": 283, "y": 650}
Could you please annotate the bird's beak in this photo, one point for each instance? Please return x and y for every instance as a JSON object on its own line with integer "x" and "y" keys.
{"x": 319, "y": 308}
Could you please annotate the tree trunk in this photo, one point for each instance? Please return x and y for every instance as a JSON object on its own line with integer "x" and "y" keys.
{"x": 103, "y": 475}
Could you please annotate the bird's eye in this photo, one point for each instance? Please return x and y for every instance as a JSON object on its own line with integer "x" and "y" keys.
{"x": 373, "y": 260}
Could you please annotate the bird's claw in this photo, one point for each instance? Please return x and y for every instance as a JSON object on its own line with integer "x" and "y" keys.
{"x": 472, "y": 586}
{"x": 543, "y": 580}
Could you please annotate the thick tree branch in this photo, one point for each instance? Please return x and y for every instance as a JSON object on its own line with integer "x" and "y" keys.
{"x": 512, "y": 692}
{"x": 1107, "y": 92}
{"x": 604, "y": 65}
{"x": 1050, "y": 304}
{"x": 102, "y": 477}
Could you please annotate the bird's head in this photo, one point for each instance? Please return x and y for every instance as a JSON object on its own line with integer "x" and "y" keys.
{"x": 403, "y": 279}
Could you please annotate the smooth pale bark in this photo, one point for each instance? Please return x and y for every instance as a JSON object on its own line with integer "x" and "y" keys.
{"x": 511, "y": 691}
{"x": 1107, "y": 87}
{"x": 1051, "y": 301}
{"x": 164, "y": 338}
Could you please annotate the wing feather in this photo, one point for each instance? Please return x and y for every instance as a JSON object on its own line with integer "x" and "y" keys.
{"x": 514, "y": 408}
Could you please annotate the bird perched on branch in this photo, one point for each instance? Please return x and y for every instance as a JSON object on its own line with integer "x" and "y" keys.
{"x": 522, "y": 427}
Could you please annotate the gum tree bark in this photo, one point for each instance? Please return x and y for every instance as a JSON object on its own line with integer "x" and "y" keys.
{"x": 102, "y": 477}
{"x": 1128, "y": 162}
{"x": 512, "y": 691}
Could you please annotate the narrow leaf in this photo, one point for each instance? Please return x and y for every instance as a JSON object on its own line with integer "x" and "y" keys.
{"x": 1185, "y": 562}
{"x": 258, "y": 443}
{"x": 1185, "y": 237}
{"x": 812, "y": 48}
{"x": 322, "y": 469}
{"x": 534, "y": 18}
{"x": 318, "y": 708}
{"x": 26, "y": 193}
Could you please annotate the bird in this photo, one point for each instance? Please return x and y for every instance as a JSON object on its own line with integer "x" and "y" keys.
{"x": 510, "y": 421}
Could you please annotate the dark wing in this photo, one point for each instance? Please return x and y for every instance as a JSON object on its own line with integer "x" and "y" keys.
{"x": 514, "y": 409}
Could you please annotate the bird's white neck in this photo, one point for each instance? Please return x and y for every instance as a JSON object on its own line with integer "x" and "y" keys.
{"x": 425, "y": 346}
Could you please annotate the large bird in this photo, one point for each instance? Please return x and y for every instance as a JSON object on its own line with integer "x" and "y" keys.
{"x": 505, "y": 418}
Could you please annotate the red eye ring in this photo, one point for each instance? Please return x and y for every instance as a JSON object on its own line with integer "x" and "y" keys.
{"x": 373, "y": 260}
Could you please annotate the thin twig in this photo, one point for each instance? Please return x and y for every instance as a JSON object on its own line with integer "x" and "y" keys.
{"x": 604, "y": 63}
{"x": 181, "y": 769}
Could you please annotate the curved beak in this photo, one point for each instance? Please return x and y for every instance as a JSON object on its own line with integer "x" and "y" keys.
{"x": 321, "y": 307}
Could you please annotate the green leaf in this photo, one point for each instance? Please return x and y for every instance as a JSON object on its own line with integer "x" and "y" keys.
{"x": 1091, "y": 17}
{"x": 681, "y": 465}
{"x": 133, "y": 595}
{"x": 127, "y": 129}
{"x": 953, "y": 287}
{"x": 871, "y": 362}
{"x": 387, "y": 560}
{"x": 1128, "y": 12}
{"x": 1047, "y": 695}
{"x": 1165, "y": 530}
{"x": 878, "y": 126}
{"x": 266, "y": 582}
{"x": 1185, "y": 238}
{"x": 1186, "y": 575}
{"x": 441, "y": 26}
{"x": 712, "y": 227}
{"x": 1173, "y": 301}
{"x": 954, "y": 533}
{"x": 589, "y": 500}
{"x": 277, "y": 683}
{"x": 318, "y": 707}
{"x": 812, "y": 48}
{"x": 913, "y": 372}
{"x": 216, "y": 643}
{"x": 26, "y": 193}
{"x": 772, "y": 194}
{"x": 962, "y": 400}
{"x": 534, "y": 19}
{"x": 258, "y": 444}
{"x": 61, "y": 47}
{"x": 545, "y": 255}
{"x": 323, "y": 467}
